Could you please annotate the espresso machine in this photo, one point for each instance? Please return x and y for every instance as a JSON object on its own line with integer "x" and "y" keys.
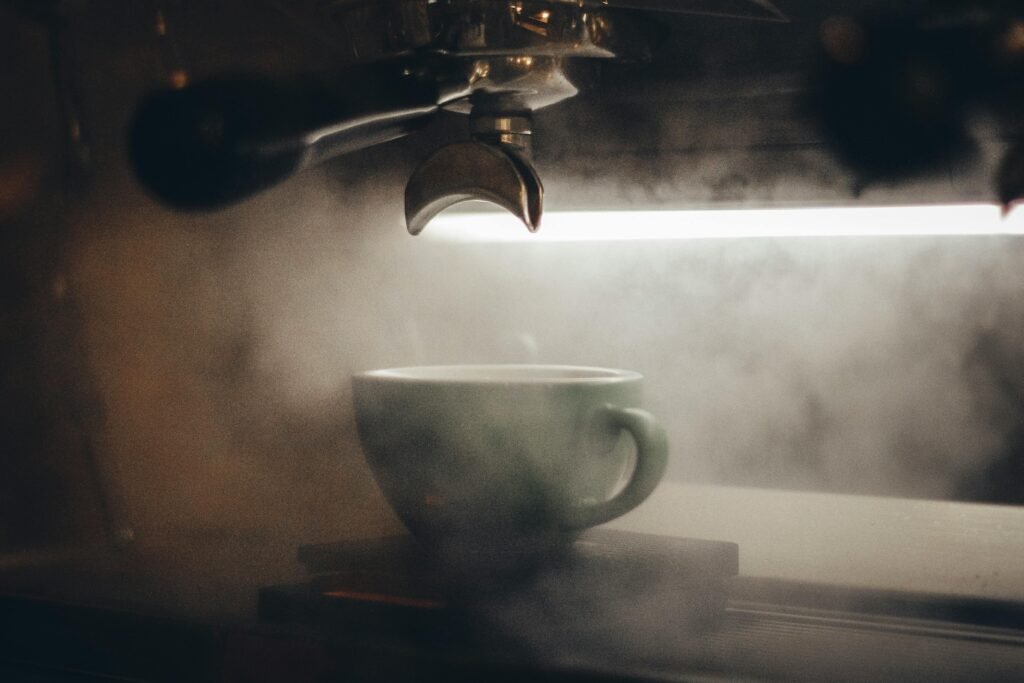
{"x": 886, "y": 93}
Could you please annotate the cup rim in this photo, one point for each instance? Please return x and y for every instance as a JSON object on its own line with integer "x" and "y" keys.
{"x": 500, "y": 373}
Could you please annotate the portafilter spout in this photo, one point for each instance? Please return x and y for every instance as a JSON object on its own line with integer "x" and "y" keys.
{"x": 495, "y": 166}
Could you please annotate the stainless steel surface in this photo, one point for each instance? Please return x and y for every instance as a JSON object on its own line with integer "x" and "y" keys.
{"x": 505, "y": 91}
{"x": 520, "y": 82}
{"x": 473, "y": 170}
{"x": 495, "y": 167}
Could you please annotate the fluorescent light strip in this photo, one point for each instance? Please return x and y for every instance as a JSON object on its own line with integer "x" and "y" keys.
{"x": 580, "y": 226}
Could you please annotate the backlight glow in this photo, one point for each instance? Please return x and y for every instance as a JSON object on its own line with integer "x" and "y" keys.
{"x": 579, "y": 226}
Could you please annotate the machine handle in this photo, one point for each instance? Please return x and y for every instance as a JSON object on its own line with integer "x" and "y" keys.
{"x": 219, "y": 141}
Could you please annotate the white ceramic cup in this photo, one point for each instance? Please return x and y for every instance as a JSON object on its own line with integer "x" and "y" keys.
{"x": 492, "y": 453}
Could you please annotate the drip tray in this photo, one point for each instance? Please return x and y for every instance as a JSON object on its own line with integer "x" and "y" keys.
{"x": 591, "y": 598}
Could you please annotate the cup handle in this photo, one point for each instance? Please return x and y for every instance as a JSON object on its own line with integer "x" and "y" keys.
{"x": 651, "y": 460}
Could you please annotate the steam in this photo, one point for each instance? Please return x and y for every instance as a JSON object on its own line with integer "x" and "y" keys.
{"x": 223, "y": 348}
{"x": 220, "y": 347}
{"x": 840, "y": 364}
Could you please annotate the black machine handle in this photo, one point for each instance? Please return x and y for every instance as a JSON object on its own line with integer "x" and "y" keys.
{"x": 219, "y": 141}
